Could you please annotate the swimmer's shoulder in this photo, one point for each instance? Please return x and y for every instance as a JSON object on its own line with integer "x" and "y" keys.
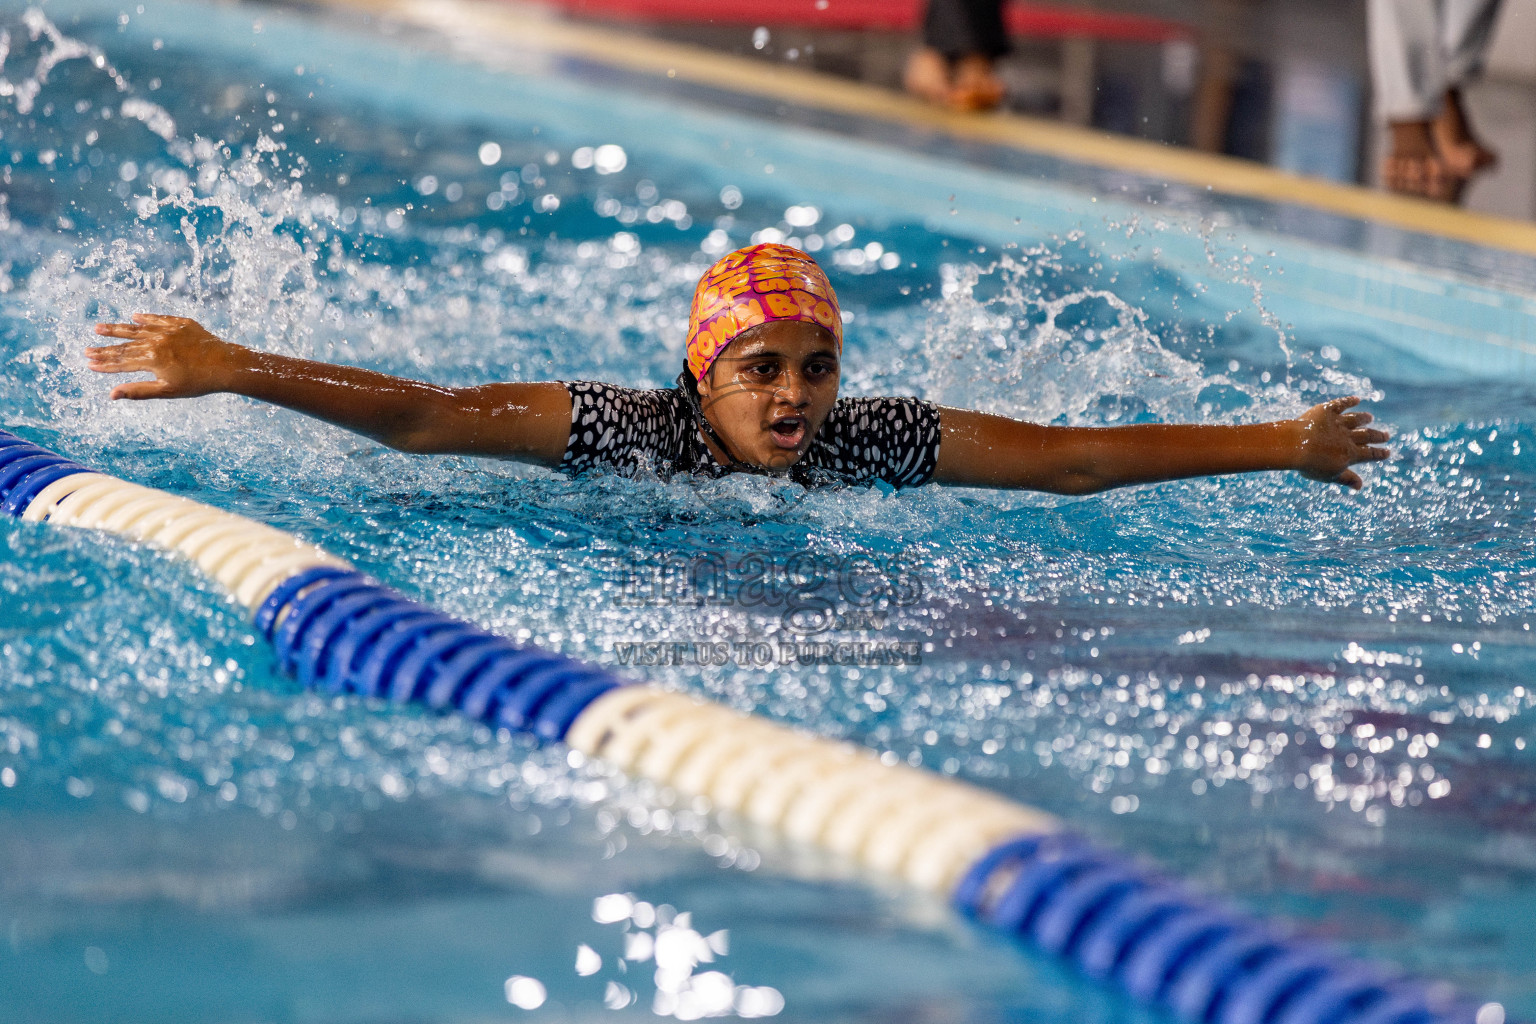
{"x": 860, "y": 414}
{"x": 623, "y": 428}
{"x": 592, "y": 401}
{"x": 894, "y": 439}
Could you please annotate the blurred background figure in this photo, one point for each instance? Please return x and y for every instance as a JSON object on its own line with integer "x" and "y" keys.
{"x": 1365, "y": 92}
{"x": 1421, "y": 53}
{"x": 956, "y": 66}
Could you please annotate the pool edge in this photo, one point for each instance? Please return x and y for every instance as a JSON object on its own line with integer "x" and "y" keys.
{"x": 526, "y": 27}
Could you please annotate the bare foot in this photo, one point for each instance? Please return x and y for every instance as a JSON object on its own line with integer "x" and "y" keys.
{"x": 969, "y": 85}
{"x": 1463, "y": 153}
{"x": 977, "y": 86}
{"x": 1415, "y": 167}
{"x": 926, "y": 76}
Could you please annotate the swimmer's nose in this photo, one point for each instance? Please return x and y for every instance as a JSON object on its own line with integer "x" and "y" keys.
{"x": 794, "y": 390}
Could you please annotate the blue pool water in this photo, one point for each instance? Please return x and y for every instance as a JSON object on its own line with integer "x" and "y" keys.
{"x": 1314, "y": 701}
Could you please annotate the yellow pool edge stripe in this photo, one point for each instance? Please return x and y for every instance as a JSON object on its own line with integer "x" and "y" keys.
{"x": 525, "y": 28}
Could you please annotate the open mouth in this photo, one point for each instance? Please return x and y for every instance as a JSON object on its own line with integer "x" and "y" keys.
{"x": 787, "y": 432}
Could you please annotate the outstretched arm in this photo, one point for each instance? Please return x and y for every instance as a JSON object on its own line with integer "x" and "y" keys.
{"x": 980, "y": 450}
{"x": 530, "y": 422}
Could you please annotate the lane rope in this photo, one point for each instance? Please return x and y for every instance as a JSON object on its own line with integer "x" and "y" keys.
{"x": 1009, "y": 866}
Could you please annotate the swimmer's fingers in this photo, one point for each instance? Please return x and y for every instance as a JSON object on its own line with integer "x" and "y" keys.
{"x": 141, "y": 389}
{"x": 117, "y": 357}
{"x": 120, "y": 330}
{"x": 1340, "y": 404}
{"x": 1349, "y": 478}
{"x": 1356, "y": 419}
{"x": 146, "y": 325}
{"x": 1365, "y": 438}
{"x": 131, "y": 357}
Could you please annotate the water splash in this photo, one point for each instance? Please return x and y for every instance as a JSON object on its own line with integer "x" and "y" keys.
{"x": 52, "y": 48}
{"x": 1238, "y": 268}
{"x": 1003, "y": 339}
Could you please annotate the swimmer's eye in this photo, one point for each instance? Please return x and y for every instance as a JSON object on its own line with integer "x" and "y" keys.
{"x": 771, "y": 369}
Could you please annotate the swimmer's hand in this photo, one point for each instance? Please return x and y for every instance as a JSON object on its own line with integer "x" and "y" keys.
{"x": 1331, "y": 438}
{"x": 186, "y": 359}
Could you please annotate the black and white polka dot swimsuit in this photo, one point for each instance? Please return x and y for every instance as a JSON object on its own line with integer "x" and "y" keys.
{"x": 895, "y": 440}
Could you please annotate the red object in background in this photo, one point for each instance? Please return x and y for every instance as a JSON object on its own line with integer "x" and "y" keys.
{"x": 1022, "y": 19}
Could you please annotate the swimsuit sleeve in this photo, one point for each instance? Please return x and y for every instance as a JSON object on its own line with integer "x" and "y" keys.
{"x": 891, "y": 439}
{"x": 626, "y": 429}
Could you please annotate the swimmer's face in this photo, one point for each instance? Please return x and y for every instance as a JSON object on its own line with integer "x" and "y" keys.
{"x": 770, "y": 391}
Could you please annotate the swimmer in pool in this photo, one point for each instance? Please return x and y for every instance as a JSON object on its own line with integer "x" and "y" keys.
{"x": 758, "y": 394}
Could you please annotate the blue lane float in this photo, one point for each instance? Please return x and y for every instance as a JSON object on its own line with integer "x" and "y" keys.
{"x": 343, "y": 633}
{"x": 1008, "y": 866}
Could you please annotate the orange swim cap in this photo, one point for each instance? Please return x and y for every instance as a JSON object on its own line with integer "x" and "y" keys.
{"x": 752, "y": 286}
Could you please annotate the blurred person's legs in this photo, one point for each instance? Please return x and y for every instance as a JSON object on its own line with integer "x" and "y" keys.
{"x": 1422, "y": 51}
{"x": 961, "y": 41}
{"x": 1468, "y": 31}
